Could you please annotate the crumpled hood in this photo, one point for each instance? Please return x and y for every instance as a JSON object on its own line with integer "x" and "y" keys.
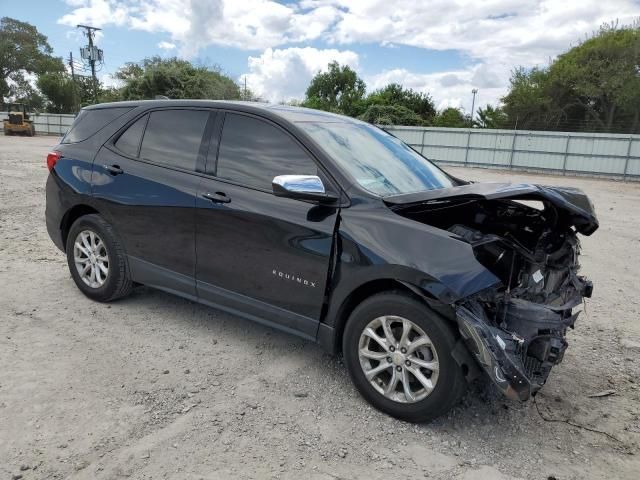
{"x": 571, "y": 202}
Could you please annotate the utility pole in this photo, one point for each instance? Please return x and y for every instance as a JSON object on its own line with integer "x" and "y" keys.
{"x": 473, "y": 103}
{"x": 92, "y": 54}
{"x": 73, "y": 80}
{"x": 245, "y": 89}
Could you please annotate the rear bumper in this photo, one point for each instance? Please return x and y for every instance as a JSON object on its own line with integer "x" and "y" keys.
{"x": 54, "y": 212}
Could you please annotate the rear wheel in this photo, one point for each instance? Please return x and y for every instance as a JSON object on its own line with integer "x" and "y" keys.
{"x": 97, "y": 260}
{"x": 398, "y": 354}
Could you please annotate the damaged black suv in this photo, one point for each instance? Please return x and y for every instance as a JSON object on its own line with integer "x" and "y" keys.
{"x": 328, "y": 228}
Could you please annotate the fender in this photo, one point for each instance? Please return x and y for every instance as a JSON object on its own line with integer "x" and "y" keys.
{"x": 374, "y": 244}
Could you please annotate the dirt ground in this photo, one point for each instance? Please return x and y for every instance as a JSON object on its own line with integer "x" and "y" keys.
{"x": 154, "y": 386}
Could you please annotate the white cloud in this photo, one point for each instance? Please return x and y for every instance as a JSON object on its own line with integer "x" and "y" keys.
{"x": 166, "y": 45}
{"x": 96, "y": 13}
{"x": 516, "y": 31}
{"x": 448, "y": 89}
{"x": 109, "y": 81}
{"x": 284, "y": 74}
{"x": 194, "y": 24}
{"x": 494, "y": 35}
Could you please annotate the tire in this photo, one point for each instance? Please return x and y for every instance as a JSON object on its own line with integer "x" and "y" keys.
{"x": 447, "y": 379}
{"x": 116, "y": 283}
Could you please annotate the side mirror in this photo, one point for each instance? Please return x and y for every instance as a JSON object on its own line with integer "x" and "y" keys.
{"x": 302, "y": 187}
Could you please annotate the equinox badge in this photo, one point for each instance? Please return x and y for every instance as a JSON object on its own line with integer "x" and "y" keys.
{"x": 293, "y": 278}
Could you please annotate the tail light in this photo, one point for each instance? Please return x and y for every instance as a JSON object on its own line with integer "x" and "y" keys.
{"x": 52, "y": 159}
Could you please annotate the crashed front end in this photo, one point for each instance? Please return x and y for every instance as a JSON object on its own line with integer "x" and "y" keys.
{"x": 517, "y": 330}
{"x": 527, "y": 236}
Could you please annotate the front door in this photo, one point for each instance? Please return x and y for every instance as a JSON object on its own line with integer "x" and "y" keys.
{"x": 263, "y": 255}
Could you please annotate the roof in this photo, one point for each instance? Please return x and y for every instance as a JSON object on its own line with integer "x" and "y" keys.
{"x": 292, "y": 114}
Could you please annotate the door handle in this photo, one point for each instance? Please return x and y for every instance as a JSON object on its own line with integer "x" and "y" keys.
{"x": 218, "y": 197}
{"x": 113, "y": 169}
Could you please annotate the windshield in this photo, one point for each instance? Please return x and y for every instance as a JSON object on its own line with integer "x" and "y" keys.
{"x": 379, "y": 162}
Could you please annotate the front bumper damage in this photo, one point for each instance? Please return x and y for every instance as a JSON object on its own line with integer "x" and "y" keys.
{"x": 519, "y": 353}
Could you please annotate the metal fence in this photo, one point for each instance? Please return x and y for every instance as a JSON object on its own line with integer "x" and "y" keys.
{"x": 593, "y": 154}
{"x": 48, "y": 123}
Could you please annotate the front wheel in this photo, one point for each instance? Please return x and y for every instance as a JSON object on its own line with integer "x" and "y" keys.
{"x": 398, "y": 354}
{"x": 97, "y": 260}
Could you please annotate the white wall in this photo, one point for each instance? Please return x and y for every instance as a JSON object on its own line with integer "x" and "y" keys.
{"x": 48, "y": 123}
{"x": 578, "y": 153}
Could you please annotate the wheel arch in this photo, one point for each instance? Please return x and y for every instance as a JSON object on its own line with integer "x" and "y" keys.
{"x": 71, "y": 216}
{"x": 330, "y": 336}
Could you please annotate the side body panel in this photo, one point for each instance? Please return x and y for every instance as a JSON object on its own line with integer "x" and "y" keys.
{"x": 376, "y": 244}
{"x": 270, "y": 253}
{"x": 68, "y": 185}
{"x": 153, "y": 210}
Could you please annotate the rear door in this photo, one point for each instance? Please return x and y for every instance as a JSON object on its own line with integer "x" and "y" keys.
{"x": 264, "y": 255}
{"x": 145, "y": 182}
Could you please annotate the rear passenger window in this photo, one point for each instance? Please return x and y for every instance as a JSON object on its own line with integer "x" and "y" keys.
{"x": 173, "y": 137}
{"x": 90, "y": 121}
{"x": 252, "y": 152}
{"x": 129, "y": 141}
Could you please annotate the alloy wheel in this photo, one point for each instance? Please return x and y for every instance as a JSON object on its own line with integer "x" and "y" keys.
{"x": 91, "y": 258}
{"x": 398, "y": 359}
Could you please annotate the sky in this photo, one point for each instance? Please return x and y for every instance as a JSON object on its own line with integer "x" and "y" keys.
{"x": 443, "y": 47}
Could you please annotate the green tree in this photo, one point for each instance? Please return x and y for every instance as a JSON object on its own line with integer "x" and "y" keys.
{"x": 110, "y": 94}
{"x": 59, "y": 92}
{"x": 339, "y": 89}
{"x": 23, "y": 51}
{"x": 602, "y": 76}
{"x": 174, "y": 78}
{"x": 594, "y": 86}
{"x": 23, "y": 91}
{"x": 391, "y": 115}
{"x": 395, "y": 94}
{"x": 451, "y": 117}
{"x": 492, "y": 117}
{"x": 528, "y": 103}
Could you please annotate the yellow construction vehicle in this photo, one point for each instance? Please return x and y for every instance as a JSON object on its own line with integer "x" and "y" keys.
{"x": 18, "y": 121}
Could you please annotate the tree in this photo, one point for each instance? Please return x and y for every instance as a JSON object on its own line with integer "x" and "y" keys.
{"x": 391, "y": 115}
{"x": 339, "y": 89}
{"x": 395, "y": 94}
{"x": 174, "y": 78}
{"x": 64, "y": 95}
{"x": 23, "y": 51}
{"x": 59, "y": 92}
{"x": 603, "y": 76}
{"x": 451, "y": 117}
{"x": 594, "y": 86}
{"x": 23, "y": 91}
{"x": 528, "y": 103}
{"x": 492, "y": 117}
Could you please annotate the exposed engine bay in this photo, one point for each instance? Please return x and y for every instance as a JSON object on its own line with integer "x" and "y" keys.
{"x": 526, "y": 235}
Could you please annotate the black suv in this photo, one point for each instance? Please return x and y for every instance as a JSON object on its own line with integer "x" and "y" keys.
{"x": 328, "y": 228}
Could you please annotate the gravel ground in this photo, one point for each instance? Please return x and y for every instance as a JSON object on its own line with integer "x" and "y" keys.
{"x": 154, "y": 386}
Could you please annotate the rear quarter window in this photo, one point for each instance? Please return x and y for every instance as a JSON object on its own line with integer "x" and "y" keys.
{"x": 173, "y": 137}
{"x": 129, "y": 141}
{"x": 89, "y": 122}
